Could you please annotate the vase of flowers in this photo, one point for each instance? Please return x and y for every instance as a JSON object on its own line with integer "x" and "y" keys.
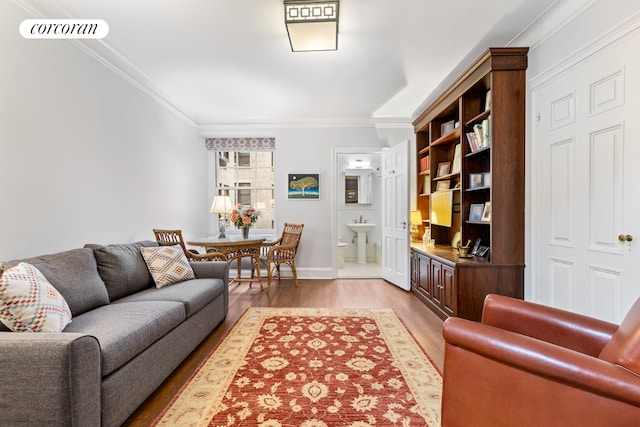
{"x": 244, "y": 218}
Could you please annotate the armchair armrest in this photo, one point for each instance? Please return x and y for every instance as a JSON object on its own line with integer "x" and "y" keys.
{"x": 209, "y": 256}
{"x": 543, "y": 359}
{"x": 282, "y": 252}
{"x": 50, "y": 379}
{"x": 571, "y": 330}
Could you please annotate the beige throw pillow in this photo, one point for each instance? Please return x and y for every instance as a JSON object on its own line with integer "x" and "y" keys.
{"x": 167, "y": 264}
{"x": 29, "y": 303}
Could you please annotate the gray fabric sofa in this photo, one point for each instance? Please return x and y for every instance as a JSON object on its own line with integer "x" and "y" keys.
{"x": 125, "y": 338}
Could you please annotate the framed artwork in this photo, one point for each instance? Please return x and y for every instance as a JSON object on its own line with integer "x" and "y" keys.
{"x": 476, "y": 180}
{"x": 486, "y": 212}
{"x": 304, "y": 186}
{"x": 486, "y": 179}
{"x": 443, "y": 168}
{"x": 475, "y": 212}
{"x": 476, "y": 246}
{"x": 443, "y": 185}
{"x": 483, "y": 251}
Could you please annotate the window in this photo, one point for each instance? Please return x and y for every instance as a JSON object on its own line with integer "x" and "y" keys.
{"x": 248, "y": 178}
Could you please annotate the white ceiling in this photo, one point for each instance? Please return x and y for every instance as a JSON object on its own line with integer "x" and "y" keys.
{"x": 229, "y": 61}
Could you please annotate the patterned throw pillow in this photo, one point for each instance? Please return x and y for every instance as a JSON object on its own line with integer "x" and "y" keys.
{"x": 167, "y": 265}
{"x": 28, "y": 302}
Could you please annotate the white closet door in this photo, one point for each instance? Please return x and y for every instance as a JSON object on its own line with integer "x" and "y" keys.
{"x": 586, "y": 184}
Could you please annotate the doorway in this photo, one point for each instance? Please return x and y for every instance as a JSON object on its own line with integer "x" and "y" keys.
{"x": 357, "y": 200}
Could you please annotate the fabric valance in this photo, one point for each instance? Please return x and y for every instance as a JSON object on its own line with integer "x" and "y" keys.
{"x": 240, "y": 144}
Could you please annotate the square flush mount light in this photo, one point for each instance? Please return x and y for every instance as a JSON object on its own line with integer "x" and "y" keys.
{"x": 311, "y": 25}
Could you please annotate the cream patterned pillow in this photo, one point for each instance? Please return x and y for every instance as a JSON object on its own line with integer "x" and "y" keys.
{"x": 167, "y": 264}
{"x": 28, "y": 302}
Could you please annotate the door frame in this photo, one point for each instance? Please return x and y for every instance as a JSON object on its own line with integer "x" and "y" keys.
{"x": 335, "y": 200}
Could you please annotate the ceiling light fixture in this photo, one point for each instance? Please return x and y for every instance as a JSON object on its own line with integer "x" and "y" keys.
{"x": 359, "y": 164}
{"x": 311, "y": 25}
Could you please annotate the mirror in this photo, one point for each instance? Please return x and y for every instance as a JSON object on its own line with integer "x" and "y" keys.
{"x": 358, "y": 186}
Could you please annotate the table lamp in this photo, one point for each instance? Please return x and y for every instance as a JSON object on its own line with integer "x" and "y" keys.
{"x": 415, "y": 219}
{"x": 221, "y": 205}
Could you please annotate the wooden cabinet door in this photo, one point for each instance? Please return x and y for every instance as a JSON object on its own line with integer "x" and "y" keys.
{"x": 449, "y": 290}
{"x": 437, "y": 288}
{"x": 415, "y": 270}
{"x": 424, "y": 282}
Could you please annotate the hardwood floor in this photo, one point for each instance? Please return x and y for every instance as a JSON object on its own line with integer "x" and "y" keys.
{"x": 425, "y": 326}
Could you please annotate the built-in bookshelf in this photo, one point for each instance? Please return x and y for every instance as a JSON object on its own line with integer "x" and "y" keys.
{"x": 470, "y": 183}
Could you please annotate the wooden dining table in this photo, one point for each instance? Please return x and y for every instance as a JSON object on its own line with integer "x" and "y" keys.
{"x": 236, "y": 248}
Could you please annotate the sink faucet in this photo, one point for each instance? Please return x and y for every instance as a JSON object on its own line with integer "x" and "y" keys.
{"x": 360, "y": 219}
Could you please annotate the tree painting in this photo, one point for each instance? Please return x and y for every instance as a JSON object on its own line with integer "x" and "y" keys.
{"x": 304, "y": 186}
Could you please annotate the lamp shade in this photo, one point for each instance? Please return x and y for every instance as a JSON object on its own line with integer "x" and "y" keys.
{"x": 221, "y": 204}
{"x": 415, "y": 218}
{"x": 311, "y": 25}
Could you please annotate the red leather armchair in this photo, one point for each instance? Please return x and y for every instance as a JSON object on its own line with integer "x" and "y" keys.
{"x": 530, "y": 365}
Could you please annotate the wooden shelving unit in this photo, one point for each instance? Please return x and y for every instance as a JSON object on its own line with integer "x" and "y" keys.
{"x": 488, "y": 102}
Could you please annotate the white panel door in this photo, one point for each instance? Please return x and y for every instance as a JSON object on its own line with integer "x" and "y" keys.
{"x": 395, "y": 215}
{"x": 585, "y": 194}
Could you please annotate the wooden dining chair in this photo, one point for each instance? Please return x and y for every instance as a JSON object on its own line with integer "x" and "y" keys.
{"x": 174, "y": 237}
{"x": 282, "y": 251}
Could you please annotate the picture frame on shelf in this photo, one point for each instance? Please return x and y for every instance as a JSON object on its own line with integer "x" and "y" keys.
{"x": 475, "y": 211}
{"x": 476, "y": 180}
{"x": 443, "y": 185}
{"x": 447, "y": 127}
{"x": 483, "y": 251}
{"x": 486, "y": 213}
{"x": 486, "y": 179}
{"x": 476, "y": 246}
{"x": 443, "y": 168}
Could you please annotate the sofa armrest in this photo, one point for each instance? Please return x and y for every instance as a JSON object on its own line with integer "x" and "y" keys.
{"x": 540, "y": 358}
{"x": 571, "y": 330}
{"x": 211, "y": 270}
{"x": 50, "y": 378}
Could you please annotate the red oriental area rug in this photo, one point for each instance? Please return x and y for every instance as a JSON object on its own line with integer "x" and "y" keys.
{"x": 312, "y": 367}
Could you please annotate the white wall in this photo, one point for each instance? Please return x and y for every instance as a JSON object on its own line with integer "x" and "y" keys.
{"x": 309, "y": 150}
{"x": 85, "y": 156}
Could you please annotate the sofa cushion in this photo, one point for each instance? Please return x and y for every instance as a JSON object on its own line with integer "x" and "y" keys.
{"x": 125, "y": 330}
{"x": 624, "y": 347}
{"x": 167, "y": 264}
{"x": 194, "y": 294}
{"x": 28, "y": 302}
{"x": 75, "y": 275}
{"x": 122, "y": 267}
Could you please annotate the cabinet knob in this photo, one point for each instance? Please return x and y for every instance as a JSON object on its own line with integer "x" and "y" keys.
{"x": 625, "y": 238}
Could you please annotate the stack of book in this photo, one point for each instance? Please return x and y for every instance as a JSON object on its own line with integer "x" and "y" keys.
{"x": 481, "y": 136}
{"x": 424, "y": 164}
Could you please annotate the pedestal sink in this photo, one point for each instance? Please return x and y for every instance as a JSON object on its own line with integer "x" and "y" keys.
{"x": 361, "y": 228}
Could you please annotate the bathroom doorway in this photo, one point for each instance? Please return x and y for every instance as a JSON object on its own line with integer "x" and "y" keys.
{"x": 357, "y": 213}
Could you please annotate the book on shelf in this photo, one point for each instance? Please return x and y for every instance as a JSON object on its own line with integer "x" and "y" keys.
{"x": 426, "y": 185}
{"x": 457, "y": 160}
{"x": 424, "y": 164}
{"x": 486, "y": 132}
{"x": 487, "y": 101}
{"x": 477, "y": 129}
{"x": 481, "y": 136}
{"x": 473, "y": 141}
